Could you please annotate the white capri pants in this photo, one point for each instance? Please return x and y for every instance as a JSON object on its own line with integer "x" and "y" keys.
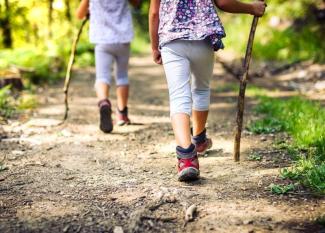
{"x": 188, "y": 67}
{"x": 105, "y": 56}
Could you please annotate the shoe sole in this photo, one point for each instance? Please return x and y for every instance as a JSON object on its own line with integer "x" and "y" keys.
{"x": 203, "y": 152}
{"x": 189, "y": 174}
{"x": 121, "y": 123}
{"x": 106, "y": 124}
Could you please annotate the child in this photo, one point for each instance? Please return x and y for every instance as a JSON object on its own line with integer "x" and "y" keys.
{"x": 184, "y": 35}
{"x": 111, "y": 31}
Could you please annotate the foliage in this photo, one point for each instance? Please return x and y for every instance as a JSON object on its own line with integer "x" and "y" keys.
{"x": 305, "y": 122}
{"x": 288, "y": 33}
{"x": 6, "y": 103}
{"x": 9, "y": 105}
{"x": 255, "y": 157}
{"x": 282, "y": 189}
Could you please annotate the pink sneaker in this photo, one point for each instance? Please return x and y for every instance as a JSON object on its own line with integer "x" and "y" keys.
{"x": 202, "y": 143}
{"x": 188, "y": 168}
{"x": 202, "y": 147}
{"x": 122, "y": 117}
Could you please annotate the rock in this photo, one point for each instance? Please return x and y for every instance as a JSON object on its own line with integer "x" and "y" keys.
{"x": 263, "y": 139}
{"x": 66, "y": 133}
{"x": 17, "y": 152}
{"x": 118, "y": 229}
{"x": 320, "y": 85}
{"x": 246, "y": 222}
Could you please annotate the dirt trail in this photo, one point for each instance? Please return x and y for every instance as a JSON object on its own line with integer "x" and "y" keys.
{"x": 73, "y": 178}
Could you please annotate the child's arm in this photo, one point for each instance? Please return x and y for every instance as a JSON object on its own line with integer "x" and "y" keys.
{"x": 135, "y": 3}
{"x": 153, "y": 30}
{"x": 83, "y": 9}
{"x": 233, "y": 6}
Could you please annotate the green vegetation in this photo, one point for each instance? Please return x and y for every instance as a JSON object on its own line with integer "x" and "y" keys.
{"x": 9, "y": 106}
{"x": 305, "y": 123}
{"x": 282, "y": 189}
{"x": 288, "y": 33}
{"x": 6, "y": 103}
{"x": 255, "y": 157}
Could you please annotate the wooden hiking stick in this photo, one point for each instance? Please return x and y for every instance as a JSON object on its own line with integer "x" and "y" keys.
{"x": 242, "y": 89}
{"x": 69, "y": 68}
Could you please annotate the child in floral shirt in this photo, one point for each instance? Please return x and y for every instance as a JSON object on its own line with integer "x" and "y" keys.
{"x": 184, "y": 35}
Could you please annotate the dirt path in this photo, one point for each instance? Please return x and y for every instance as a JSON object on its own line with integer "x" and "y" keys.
{"x": 73, "y": 178}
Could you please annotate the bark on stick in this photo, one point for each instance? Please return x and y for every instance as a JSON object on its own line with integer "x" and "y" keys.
{"x": 69, "y": 68}
{"x": 242, "y": 89}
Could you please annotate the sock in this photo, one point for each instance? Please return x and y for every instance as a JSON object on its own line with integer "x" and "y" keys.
{"x": 124, "y": 111}
{"x": 200, "y": 138}
{"x": 186, "y": 152}
{"x": 104, "y": 102}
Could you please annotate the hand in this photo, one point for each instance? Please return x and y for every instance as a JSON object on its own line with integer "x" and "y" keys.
{"x": 258, "y": 8}
{"x": 156, "y": 56}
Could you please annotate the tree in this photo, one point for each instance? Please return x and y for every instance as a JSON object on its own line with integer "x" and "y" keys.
{"x": 50, "y": 18}
{"x": 68, "y": 10}
{"x": 6, "y": 25}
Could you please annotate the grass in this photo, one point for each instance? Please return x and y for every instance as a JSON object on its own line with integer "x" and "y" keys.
{"x": 282, "y": 189}
{"x": 278, "y": 42}
{"x": 9, "y": 106}
{"x": 255, "y": 157}
{"x": 304, "y": 121}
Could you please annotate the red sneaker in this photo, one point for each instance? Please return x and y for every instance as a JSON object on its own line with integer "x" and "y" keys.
{"x": 122, "y": 118}
{"x": 202, "y": 147}
{"x": 188, "y": 169}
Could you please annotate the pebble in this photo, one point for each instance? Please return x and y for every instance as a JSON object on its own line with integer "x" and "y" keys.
{"x": 118, "y": 229}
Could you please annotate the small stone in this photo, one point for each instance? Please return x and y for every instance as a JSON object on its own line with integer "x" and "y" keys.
{"x": 263, "y": 139}
{"x": 246, "y": 222}
{"x": 118, "y": 229}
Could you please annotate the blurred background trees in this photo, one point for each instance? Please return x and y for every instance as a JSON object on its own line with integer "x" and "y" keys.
{"x": 38, "y": 34}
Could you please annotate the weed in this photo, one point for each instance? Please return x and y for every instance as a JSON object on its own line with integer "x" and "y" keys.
{"x": 27, "y": 101}
{"x": 255, "y": 157}
{"x": 282, "y": 189}
{"x": 304, "y": 121}
{"x": 6, "y": 102}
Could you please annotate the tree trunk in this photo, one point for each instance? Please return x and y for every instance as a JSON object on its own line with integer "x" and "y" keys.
{"x": 50, "y": 18}
{"x": 68, "y": 10}
{"x": 6, "y": 27}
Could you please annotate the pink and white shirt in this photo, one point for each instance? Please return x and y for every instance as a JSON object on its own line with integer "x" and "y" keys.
{"x": 190, "y": 20}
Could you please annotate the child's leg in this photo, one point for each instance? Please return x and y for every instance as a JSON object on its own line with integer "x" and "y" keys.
{"x": 177, "y": 69}
{"x": 202, "y": 61}
{"x": 122, "y": 55}
{"x": 199, "y": 119}
{"x": 122, "y": 79}
{"x": 104, "y": 62}
{"x": 181, "y": 127}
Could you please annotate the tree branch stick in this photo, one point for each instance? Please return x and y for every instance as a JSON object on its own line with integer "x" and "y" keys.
{"x": 69, "y": 68}
{"x": 242, "y": 89}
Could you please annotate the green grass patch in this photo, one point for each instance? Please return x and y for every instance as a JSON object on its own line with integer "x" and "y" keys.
{"x": 7, "y": 106}
{"x": 255, "y": 157}
{"x": 10, "y": 106}
{"x": 282, "y": 189}
{"x": 304, "y": 121}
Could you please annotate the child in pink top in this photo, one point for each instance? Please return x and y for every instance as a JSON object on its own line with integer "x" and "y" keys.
{"x": 184, "y": 35}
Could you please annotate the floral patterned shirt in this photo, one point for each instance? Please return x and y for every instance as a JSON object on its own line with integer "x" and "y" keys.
{"x": 190, "y": 20}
